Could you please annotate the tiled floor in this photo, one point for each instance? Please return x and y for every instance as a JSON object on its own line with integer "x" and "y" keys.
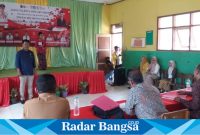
{"x": 116, "y": 93}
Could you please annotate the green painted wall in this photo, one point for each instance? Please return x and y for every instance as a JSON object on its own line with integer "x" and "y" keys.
{"x": 185, "y": 61}
{"x": 139, "y": 16}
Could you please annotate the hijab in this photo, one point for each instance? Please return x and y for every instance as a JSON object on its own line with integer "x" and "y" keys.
{"x": 171, "y": 68}
{"x": 153, "y": 65}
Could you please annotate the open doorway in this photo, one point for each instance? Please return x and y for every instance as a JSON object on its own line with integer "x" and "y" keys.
{"x": 116, "y": 36}
{"x": 106, "y": 42}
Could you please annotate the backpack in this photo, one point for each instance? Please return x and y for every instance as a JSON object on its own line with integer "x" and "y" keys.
{"x": 116, "y": 113}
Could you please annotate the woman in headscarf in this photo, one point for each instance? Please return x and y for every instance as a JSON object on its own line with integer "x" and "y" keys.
{"x": 154, "y": 68}
{"x": 168, "y": 78}
{"x": 144, "y": 65}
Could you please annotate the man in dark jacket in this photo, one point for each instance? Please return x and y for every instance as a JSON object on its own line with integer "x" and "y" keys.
{"x": 194, "y": 105}
{"x": 25, "y": 64}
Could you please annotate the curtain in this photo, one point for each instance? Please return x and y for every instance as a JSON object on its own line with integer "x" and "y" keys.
{"x": 85, "y": 24}
{"x": 7, "y": 57}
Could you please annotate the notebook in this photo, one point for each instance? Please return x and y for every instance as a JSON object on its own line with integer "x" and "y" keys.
{"x": 105, "y": 103}
{"x": 172, "y": 97}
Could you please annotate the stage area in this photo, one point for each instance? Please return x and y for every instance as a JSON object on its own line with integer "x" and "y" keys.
{"x": 12, "y": 72}
{"x": 65, "y": 76}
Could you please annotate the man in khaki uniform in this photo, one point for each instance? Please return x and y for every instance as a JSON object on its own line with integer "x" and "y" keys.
{"x": 47, "y": 105}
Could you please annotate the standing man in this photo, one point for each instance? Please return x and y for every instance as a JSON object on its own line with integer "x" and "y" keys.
{"x": 116, "y": 57}
{"x": 61, "y": 21}
{"x": 1, "y": 36}
{"x": 9, "y": 37}
{"x": 25, "y": 64}
{"x": 3, "y": 17}
{"x": 41, "y": 51}
{"x": 26, "y": 36}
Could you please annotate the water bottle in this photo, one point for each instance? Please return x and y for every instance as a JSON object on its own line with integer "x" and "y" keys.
{"x": 188, "y": 84}
{"x": 76, "y": 106}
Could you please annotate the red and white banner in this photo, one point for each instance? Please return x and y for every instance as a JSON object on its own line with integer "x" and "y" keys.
{"x": 22, "y": 21}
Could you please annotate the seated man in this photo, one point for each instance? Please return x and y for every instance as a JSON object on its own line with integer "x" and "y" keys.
{"x": 143, "y": 99}
{"x": 193, "y": 105}
{"x": 47, "y": 105}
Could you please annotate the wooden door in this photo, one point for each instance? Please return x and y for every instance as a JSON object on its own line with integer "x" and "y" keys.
{"x": 103, "y": 42}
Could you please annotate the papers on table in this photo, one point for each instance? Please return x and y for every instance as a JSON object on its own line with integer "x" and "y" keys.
{"x": 172, "y": 97}
{"x": 173, "y": 94}
{"x": 105, "y": 103}
{"x": 185, "y": 89}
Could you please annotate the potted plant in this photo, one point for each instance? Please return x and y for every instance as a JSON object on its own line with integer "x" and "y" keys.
{"x": 13, "y": 96}
{"x": 62, "y": 91}
{"x": 83, "y": 85}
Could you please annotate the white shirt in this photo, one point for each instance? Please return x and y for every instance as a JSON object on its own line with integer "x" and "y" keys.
{"x": 63, "y": 39}
{"x": 3, "y": 19}
{"x": 26, "y": 37}
{"x": 9, "y": 37}
{"x": 49, "y": 39}
{"x": 155, "y": 70}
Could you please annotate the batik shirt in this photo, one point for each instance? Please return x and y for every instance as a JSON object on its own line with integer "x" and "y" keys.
{"x": 144, "y": 101}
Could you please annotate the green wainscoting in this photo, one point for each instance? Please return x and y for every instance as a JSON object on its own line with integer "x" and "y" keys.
{"x": 185, "y": 61}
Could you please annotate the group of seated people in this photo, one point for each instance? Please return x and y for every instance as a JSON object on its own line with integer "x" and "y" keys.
{"x": 144, "y": 99}
{"x": 151, "y": 72}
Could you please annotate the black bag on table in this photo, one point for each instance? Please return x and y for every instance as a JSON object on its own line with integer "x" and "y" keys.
{"x": 116, "y": 113}
{"x": 119, "y": 76}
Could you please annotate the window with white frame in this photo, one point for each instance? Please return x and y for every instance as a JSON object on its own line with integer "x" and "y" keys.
{"x": 116, "y": 34}
{"x": 179, "y": 32}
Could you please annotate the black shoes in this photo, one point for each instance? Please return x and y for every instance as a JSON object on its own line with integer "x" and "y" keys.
{"x": 22, "y": 101}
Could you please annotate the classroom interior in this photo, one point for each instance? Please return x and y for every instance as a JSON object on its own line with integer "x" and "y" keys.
{"x": 88, "y": 19}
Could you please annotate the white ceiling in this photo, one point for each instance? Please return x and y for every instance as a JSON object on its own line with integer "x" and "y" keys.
{"x": 102, "y": 1}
